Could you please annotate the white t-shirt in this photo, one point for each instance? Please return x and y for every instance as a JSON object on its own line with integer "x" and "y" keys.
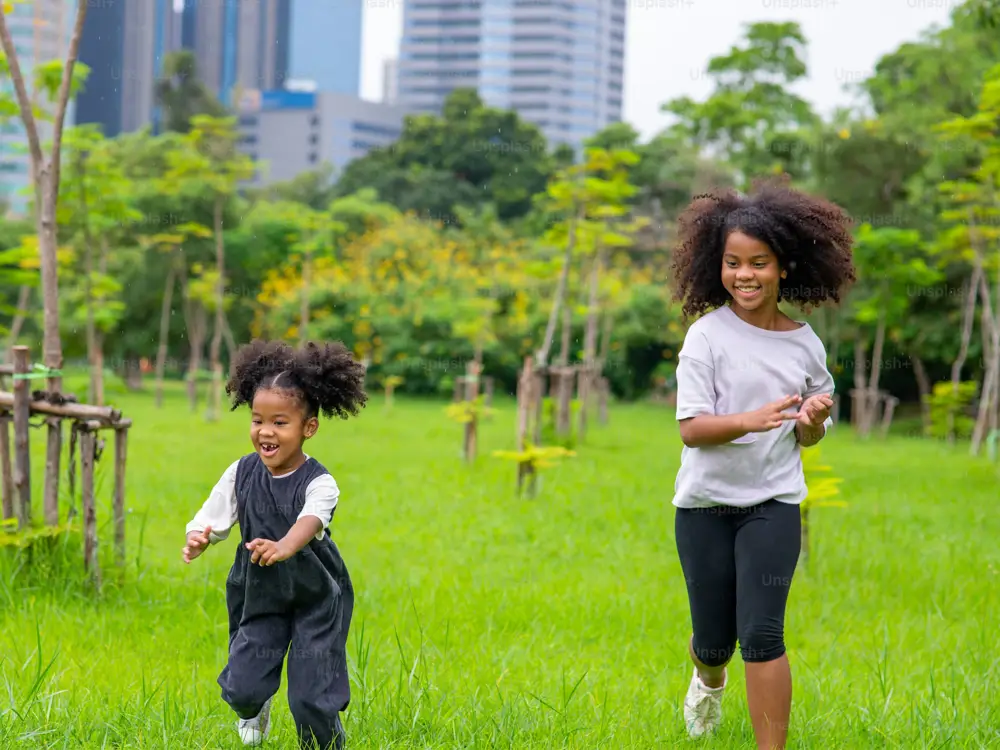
{"x": 219, "y": 510}
{"x": 728, "y": 366}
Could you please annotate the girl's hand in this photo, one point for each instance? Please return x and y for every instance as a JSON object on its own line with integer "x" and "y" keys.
{"x": 815, "y": 410}
{"x": 771, "y": 416}
{"x": 197, "y": 542}
{"x": 268, "y": 552}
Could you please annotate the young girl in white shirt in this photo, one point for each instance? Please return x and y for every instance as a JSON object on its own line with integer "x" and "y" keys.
{"x": 752, "y": 387}
{"x": 288, "y": 586}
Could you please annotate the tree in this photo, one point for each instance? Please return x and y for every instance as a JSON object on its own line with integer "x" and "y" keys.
{"x": 209, "y": 164}
{"x": 94, "y": 203}
{"x": 891, "y": 263}
{"x": 59, "y": 81}
{"x": 470, "y": 154}
{"x": 751, "y": 119}
{"x": 975, "y": 201}
{"x": 182, "y": 94}
{"x": 171, "y": 243}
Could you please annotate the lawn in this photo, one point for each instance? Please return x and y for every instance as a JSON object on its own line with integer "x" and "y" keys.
{"x": 483, "y": 620}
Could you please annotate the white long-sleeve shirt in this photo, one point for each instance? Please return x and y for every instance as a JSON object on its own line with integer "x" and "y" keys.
{"x": 219, "y": 510}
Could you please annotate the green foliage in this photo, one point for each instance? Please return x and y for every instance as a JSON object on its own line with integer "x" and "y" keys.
{"x": 464, "y": 412}
{"x": 536, "y": 457}
{"x": 820, "y": 486}
{"x": 751, "y": 113}
{"x": 948, "y": 410}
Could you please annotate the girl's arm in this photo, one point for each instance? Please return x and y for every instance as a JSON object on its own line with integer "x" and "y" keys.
{"x": 820, "y": 383}
{"x": 699, "y": 424}
{"x": 218, "y": 512}
{"x": 317, "y": 512}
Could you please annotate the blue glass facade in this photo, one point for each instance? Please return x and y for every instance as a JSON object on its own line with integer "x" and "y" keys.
{"x": 102, "y": 49}
{"x": 325, "y": 44}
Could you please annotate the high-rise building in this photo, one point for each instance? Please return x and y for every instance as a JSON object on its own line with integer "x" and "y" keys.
{"x": 325, "y": 44}
{"x": 390, "y": 79}
{"x": 41, "y": 32}
{"x": 558, "y": 63}
{"x": 124, "y": 44}
{"x": 261, "y": 44}
{"x": 238, "y": 43}
{"x": 290, "y": 132}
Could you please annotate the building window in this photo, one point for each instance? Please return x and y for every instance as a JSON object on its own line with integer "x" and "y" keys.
{"x": 248, "y": 120}
{"x": 314, "y": 121}
{"x": 313, "y": 139}
{"x": 313, "y": 158}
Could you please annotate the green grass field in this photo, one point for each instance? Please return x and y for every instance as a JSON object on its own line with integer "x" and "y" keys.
{"x": 483, "y": 620}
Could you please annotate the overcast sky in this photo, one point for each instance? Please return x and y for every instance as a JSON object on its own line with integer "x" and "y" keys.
{"x": 668, "y": 43}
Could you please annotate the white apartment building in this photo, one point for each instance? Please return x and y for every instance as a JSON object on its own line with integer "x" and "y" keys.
{"x": 558, "y": 63}
{"x": 41, "y": 31}
{"x": 290, "y": 132}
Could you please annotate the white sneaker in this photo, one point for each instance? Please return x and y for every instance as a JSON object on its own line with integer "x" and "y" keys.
{"x": 254, "y": 731}
{"x": 702, "y": 706}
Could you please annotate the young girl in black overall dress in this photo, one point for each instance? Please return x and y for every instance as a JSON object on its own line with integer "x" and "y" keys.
{"x": 288, "y": 585}
{"x": 752, "y": 389}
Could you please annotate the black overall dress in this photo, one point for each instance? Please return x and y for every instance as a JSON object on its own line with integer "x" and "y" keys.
{"x": 305, "y": 601}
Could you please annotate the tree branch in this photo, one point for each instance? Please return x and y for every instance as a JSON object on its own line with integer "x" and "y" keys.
{"x": 23, "y": 101}
{"x": 64, "y": 89}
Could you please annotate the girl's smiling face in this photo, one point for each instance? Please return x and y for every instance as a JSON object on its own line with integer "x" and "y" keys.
{"x": 278, "y": 428}
{"x": 750, "y": 272}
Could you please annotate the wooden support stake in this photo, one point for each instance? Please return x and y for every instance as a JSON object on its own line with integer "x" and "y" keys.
{"x": 104, "y": 414}
{"x": 603, "y": 388}
{"x": 6, "y": 477}
{"x": 71, "y": 469}
{"x": 538, "y": 393}
{"x": 53, "y": 454}
{"x": 584, "y": 380}
{"x": 471, "y": 394}
{"x": 564, "y": 423}
{"x": 88, "y": 449}
{"x": 22, "y": 452}
{"x": 121, "y": 449}
{"x": 526, "y": 388}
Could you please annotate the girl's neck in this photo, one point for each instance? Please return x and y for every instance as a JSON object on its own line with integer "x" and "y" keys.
{"x": 287, "y": 468}
{"x": 768, "y": 318}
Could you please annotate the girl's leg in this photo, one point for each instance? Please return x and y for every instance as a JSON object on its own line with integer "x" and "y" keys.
{"x": 705, "y": 544}
{"x": 767, "y": 551}
{"x": 318, "y": 684}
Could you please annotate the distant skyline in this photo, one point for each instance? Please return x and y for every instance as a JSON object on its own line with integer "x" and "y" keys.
{"x": 669, "y": 43}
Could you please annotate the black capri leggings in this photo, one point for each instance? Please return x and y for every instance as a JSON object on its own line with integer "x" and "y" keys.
{"x": 738, "y": 564}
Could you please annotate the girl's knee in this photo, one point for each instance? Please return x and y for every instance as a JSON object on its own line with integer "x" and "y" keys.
{"x": 713, "y": 655}
{"x": 762, "y": 642}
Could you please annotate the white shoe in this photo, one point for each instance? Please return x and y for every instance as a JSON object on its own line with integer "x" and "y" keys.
{"x": 254, "y": 731}
{"x": 702, "y": 707}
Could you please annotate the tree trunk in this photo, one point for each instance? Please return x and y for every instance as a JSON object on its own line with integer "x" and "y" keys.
{"x": 304, "y": 305}
{"x": 871, "y": 400}
{"x": 98, "y": 370}
{"x": 542, "y": 358}
{"x": 860, "y": 394}
{"x": 924, "y": 388}
{"x": 45, "y": 175}
{"x": 197, "y": 324}
{"x": 988, "y": 397}
{"x": 161, "y": 352}
{"x": 564, "y": 379}
{"x": 23, "y": 298}
{"x": 51, "y": 342}
{"x": 215, "y": 400}
{"x": 970, "y": 293}
{"x": 88, "y": 273}
{"x": 589, "y": 373}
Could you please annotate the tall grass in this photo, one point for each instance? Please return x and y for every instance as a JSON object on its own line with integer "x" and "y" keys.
{"x": 484, "y": 621}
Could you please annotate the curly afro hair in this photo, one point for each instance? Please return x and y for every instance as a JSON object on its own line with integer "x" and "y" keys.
{"x": 324, "y": 377}
{"x": 810, "y": 236}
